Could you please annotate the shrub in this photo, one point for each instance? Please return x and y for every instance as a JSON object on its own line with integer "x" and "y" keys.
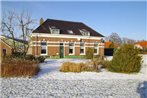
{"x": 19, "y": 68}
{"x": 89, "y": 53}
{"x": 76, "y": 67}
{"x": 71, "y": 67}
{"x": 41, "y": 59}
{"x": 88, "y": 67}
{"x": 126, "y": 60}
{"x": 106, "y": 63}
{"x": 17, "y": 54}
{"x": 30, "y": 57}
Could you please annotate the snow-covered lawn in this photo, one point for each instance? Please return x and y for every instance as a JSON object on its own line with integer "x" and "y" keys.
{"x": 50, "y": 70}
{"x": 50, "y": 83}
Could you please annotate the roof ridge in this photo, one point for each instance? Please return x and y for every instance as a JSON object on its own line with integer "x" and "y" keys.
{"x": 63, "y": 20}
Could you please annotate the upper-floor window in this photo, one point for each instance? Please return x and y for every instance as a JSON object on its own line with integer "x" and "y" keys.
{"x": 54, "y": 30}
{"x": 70, "y": 31}
{"x": 84, "y": 32}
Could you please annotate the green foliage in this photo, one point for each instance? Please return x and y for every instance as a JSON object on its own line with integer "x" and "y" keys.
{"x": 30, "y": 57}
{"x": 106, "y": 64}
{"x": 89, "y": 53}
{"x": 40, "y": 59}
{"x": 126, "y": 60}
{"x": 73, "y": 56}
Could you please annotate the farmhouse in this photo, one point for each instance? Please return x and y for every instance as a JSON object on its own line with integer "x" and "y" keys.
{"x": 65, "y": 38}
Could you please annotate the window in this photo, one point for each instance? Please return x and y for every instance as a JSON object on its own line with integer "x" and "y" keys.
{"x": 55, "y": 31}
{"x": 84, "y": 32}
{"x": 4, "y": 52}
{"x": 71, "y": 46}
{"x": 70, "y": 31}
{"x": 95, "y": 48}
{"x": 81, "y": 48}
{"x": 43, "y": 48}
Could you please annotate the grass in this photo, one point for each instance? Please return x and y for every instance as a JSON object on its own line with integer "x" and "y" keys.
{"x": 73, "y": 56}
{"x": 19, "y": 68}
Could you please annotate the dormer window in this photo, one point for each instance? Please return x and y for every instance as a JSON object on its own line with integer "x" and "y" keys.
{"x": 84, "y": 32}
{"x": 54, "y": 30}
{"x": 70, "y": 31}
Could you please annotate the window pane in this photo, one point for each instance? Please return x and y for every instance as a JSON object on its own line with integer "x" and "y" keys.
{"x": 81, "y": 44}
{"x": 70, "y": 51}
{"x": 95, "y": 50}
{"x": 43, "y": 51}
{"x": 81, "y": 50}
{"x": 43, "y": 43}
{"x": 70, "y": 44}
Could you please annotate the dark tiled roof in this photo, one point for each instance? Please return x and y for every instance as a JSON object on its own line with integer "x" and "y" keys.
{"x": 18, "y": 40}
{"x": 64, "y": 26}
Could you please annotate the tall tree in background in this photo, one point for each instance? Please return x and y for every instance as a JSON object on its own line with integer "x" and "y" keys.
{"x": 115, "y": 38}
{"x": 8, "y": 25}
{"x": 128, "y": 41}
{"x": 41, "y": 21}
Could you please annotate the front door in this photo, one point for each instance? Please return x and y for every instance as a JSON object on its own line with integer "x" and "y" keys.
{"x": 61, "y": 49}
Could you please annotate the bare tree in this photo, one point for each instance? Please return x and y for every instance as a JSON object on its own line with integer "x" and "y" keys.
{"x": 115, "y": 38}
{"x": 128, "y": 41}
{"x": 8, "y": 25}
{"x": 25, "y": 23}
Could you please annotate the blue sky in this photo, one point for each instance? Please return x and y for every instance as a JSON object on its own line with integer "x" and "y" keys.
{"x": 128, "y": 19}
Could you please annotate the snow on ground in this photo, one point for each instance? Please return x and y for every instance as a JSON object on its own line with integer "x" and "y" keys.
{"x": 50, "y": 83}
{"x": 50, "y": 70}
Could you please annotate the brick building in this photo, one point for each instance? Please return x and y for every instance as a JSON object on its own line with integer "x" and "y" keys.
{"x": 65, "y": 38}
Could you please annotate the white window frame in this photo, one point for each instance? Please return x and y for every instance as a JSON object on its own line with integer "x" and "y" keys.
{"x": 44, "y": 54}
{"x": 72, "y": 48}
{"x": 83, "y": 48}
{"x": 96, "y": 48}
{"x": 53, "y": 32}
{"x": 70, "y": 31}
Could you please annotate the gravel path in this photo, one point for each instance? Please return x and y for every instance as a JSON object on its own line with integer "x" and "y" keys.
{"x": 38, "y": 88}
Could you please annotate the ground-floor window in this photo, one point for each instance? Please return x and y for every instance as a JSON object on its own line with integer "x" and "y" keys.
{"x": 43, "y": 48}
{"x": 71, "y": 48}
{"x": 82, "y": 48}
{"x": 95, "y": 48}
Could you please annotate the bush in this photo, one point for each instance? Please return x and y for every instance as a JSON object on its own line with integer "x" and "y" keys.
{"x": 106, "y": 63}
{"x": 30, "y": 57}
{"x": 41, "y": 59}
{"x": 19, "y": 68}
{"x": 17, "y": 54}
{"x": 126, "y": 60}
{"x": 76, "y": 67}
{"x": 71, "y": 67}
{"x": 89, "y": 53}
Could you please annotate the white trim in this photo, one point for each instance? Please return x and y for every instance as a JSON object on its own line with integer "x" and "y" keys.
{"x": 66, "y": 36}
